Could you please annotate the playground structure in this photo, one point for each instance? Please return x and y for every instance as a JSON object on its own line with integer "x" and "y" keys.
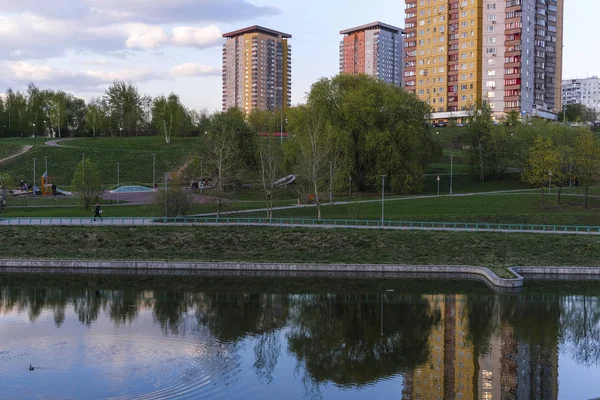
{"x": 47, "y": 188}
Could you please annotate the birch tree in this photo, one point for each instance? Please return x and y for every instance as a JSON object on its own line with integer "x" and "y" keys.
{"x": 168, "y": 116}
{"x": 313, "y": 148}
{"x": 270, "y": 157}
{"x": 227, "y": 150}
{"x": 58, "y": 111}
{"x": 94, "y": 116}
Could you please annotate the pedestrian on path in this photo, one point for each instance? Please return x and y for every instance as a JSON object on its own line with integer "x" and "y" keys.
{"x": 98, "y": 212}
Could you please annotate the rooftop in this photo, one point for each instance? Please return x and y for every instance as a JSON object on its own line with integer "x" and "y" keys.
{"x": 371, "y": 26}
{"x": 257, "y": 29}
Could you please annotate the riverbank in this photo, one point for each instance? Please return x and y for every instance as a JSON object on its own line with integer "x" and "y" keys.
{"x": 298, "y": 246}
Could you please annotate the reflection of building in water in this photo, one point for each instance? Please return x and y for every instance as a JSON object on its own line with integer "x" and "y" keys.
{"x": 511, "y": 369}
{"x": 448, "y": 372}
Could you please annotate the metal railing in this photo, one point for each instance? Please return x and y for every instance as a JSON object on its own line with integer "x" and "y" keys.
{"x": 212, "y": 220}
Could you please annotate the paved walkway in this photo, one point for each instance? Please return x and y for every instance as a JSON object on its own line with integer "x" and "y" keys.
{"x": 24, "y": 150}
{"x": 55, "y": 143}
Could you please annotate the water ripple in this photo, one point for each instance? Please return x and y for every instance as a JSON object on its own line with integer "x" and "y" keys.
{"x": 130, "y": 367}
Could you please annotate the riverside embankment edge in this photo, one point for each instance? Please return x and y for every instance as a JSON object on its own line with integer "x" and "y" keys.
{"x": 481, "y": 274}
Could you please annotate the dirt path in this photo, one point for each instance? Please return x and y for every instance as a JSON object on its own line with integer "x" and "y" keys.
{"x": 24, "y": 150}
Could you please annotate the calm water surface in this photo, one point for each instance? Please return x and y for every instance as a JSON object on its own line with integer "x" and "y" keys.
{"x": 127, "y": 338}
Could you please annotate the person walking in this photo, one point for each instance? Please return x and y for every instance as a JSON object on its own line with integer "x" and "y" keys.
{"x": 98, "y": 212}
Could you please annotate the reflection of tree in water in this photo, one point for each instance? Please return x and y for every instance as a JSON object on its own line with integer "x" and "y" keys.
{"x": 232, "y": 317}
{"x": 354, "y": 341}
{"x": 580, "y": 323}
{"x": 170, "y": 310}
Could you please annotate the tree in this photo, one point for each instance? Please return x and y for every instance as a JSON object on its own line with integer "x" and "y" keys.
{"x": 58, "y": 110}
{"x": 168, "y": 116}
{"x": 577, "y": 113}
{"x": 513, "y": 118}
{"x": 377, "y": 128}
{"x": 587, "y": 160}
{"x": 543, "y": 161}
{"x": 230, "y": 147}
{"x": 480, "y": 127}
{"x": 125, "y": 105}
{"x": 312, "y": 147}
{"x": 94, "y": 116}
{"x": 86, "y": 183}
{"x": 178, "y": 200}
{"x": 270, "y": 157}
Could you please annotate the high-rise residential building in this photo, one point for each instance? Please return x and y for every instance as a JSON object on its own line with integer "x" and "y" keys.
{"x": 505, "y": 52}
{"x": 582, "y": 91}
{"x": 257, "y": 68}
{"x": 374, "y": 49}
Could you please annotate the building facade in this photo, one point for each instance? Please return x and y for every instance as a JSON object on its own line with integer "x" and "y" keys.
{"x": 375, "y": 49}
{"x": 257, "y": 68}
{"x": 582, "y": 91}
{"x": 505, "y": 52}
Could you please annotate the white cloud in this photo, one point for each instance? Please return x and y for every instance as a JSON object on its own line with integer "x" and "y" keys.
{"x": 196, "y": 37}
{"x": 133, "y": 74}
{"x": 24, "y": 72}
{"x": 190, "y": 69}
{"x": 143, "y": 36}
{"x": 102, "y": 12}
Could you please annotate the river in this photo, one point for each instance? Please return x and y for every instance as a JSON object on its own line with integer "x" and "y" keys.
{"x": 304, "y": 338}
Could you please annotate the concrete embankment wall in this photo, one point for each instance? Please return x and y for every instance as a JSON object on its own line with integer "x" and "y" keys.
{"x": 261, "y": 269}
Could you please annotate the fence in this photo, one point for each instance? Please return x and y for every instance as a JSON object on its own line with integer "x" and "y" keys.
{"x": 296, "y": 222}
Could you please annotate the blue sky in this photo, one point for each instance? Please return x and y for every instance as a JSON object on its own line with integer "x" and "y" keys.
{"x": 168, "y": 46}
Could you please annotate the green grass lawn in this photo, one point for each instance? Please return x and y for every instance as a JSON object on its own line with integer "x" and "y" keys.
{"x": 135, "y": 157}
{"x": 297, "y": 245}
{"x": 7, "y": 150}
{"x": 505, "y": 208}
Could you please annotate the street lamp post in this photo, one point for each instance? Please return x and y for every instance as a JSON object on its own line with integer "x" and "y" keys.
{"x": 330, "y": 182}
{"x": 118, "y": 180}
{"x": 83, "y": 160}
{"x": 451, "y": 172}
{"x": 438, "y": 182}
{"x": 34, "y": 165}
{"x": 349, "y": 187}
{"x": 166, "y": 193}
{"x": 201, "y": 176}
{"x": 382, "y": 198}
{"x": 153, "y": 170}
{"x": 121, "y": 144}
{"x": 34, "y": 136}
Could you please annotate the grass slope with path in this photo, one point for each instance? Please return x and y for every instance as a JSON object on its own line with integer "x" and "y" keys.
{"x": 298, "y": 245}
{"x": 134, "y": 155}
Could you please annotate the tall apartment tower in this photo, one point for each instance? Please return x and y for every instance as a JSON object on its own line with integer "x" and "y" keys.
{"x": 506, "y": 52}
{"x": 257, "y": 68}
{"x": 374, "y": 49}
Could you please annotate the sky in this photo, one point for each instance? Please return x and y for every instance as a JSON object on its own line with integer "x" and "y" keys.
{"x": 165, "y": 46}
